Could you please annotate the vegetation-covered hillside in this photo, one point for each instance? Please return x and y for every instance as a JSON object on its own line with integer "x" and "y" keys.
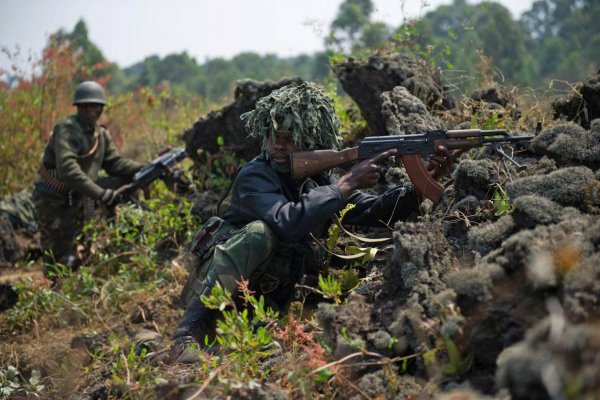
{"x": 491, "y": 293}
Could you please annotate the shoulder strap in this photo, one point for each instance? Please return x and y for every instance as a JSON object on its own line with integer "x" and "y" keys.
{"x": 225, "y": 200}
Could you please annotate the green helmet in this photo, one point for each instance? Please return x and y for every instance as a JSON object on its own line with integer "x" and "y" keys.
{"x": 89, "y": 92}
{"x": 303, "y": 109}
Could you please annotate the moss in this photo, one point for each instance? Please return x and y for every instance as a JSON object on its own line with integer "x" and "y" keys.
{"x": 485, "y": 238}
{"x": 533, "y": 210}
{"x": 469, "y": 205}
{"x": 452, "y": 326}
{"x": 326, "y": 315}
{"x": 570, "y": 144}
{"x": 381, "y": 339}
{"x": 554, "y": 358}
{"x": 441, "y": 302}
{"x": 407, "y": 327}
{"x": 472, "y": 286}
{"x": 565, "y": 186}
{"x": 380, "y": 385}
{"x": 541, "y": 271}
{"x": 542, "y": 166}
{"x": 476, "y": 178}
{"x": 405, "y": 113}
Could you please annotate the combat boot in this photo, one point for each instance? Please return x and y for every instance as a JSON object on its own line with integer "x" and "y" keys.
{"x": 196, "y": 323}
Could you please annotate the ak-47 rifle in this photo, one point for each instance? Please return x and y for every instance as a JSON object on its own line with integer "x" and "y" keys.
{"x": 411, "y": 149}
{"x": 162, "y": 166}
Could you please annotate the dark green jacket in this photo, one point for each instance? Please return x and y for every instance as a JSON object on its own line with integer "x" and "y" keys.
{"x": 261, "y": 193}
{"x": 72, "y": 138}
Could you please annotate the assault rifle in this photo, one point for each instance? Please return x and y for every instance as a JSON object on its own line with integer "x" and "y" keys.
{"x": 411, "y": 149}
{"x": 163, "y": 166}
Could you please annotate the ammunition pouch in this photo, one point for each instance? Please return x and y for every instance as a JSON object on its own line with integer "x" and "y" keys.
{"x": 214, "y": 231}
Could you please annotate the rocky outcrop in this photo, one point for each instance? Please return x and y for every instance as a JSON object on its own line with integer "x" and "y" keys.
{"x": 223, "y": 129}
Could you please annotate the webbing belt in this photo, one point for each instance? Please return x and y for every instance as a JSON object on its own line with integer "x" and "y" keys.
{"x": 50, "y": 179}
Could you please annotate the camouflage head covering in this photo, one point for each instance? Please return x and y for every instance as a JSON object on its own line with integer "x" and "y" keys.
{"x": 304, "y": 110}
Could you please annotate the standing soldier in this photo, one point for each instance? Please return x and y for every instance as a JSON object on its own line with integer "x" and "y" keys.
{"x": 76, "y": 151}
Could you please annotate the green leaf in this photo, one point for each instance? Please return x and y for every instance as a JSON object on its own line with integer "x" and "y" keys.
{"x": 501, "y": 201}
{"x": 452, "y": 350}
{"x": 118, "y": 380}
{"x": 349, "y": 279}
{"x": 429, "y": 356}
{"x": 36, "y": 375}
{"x": 449, "y": 369}
{"x": 404, "y": 367}
{"x": 324, "y": 375}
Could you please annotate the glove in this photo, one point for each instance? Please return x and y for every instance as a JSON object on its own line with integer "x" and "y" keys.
{"x": 110, "y": 197}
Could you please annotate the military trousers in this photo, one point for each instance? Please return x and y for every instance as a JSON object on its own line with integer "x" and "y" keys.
{"x": 252, "y": 253}
{"x": 60, "y": 218}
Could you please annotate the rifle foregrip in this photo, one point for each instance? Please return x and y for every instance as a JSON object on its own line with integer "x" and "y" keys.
{"x": 418, "y": 174}
{"x": 309, "y": 163}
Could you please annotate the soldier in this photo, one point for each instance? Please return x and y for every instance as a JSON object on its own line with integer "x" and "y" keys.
{"x": 77, "y": 150}
{"x": 263, "y": 236}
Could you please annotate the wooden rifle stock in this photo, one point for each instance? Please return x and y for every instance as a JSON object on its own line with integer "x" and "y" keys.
{"x": 309, "y": 163}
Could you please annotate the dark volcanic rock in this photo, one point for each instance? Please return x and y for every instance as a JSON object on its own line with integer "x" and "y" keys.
{"x": 10, "y": 250}
{"x": 226, "y": 123}
{"x": 491, "y": 95}
{"x": 8, "y": 296}
{"x": 582, "y": 105}
{"x": 476, "y": 178}
{"x": 565, "y": 186}
{"x": 532, "y": 210}
{"x": 366, "y": 81}
{"x": 569, "y": 144}
{"x": 556, "y": 357}
{"x": 494, "y": 101}
{"x": 405, "y": 113}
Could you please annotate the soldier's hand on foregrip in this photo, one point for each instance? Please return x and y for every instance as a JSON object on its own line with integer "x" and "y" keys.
{"x": 110, "y": 197}
{"x": 175, "y": 171}
{"x": 440, "y": 163}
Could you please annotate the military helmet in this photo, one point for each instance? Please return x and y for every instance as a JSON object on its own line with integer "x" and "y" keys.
{"x": 304, "y": 110}
{"x": 89, "y": 92}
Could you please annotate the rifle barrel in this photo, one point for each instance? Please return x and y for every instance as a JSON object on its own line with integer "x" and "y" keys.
{"x": 509, "y": 139}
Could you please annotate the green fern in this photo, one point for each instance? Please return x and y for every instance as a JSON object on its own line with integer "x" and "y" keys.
{"x": 334, "y": 231}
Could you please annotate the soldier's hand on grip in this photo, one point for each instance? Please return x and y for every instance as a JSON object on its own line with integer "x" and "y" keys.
{"x": 110, "y": 197}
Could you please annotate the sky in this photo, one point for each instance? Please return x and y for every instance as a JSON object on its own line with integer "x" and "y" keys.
{"x": 127, "y": 31}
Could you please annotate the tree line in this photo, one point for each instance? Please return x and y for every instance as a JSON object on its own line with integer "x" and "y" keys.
{"x": 555, "y": 39}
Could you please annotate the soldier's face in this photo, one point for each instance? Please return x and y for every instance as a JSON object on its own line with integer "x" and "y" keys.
{"x": 90, "y": 111}
{"x": 279, "y": 149}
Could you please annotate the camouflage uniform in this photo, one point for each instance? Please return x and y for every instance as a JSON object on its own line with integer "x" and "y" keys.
{"x": 76, "y": 151}
{"x": 20, "y": 211}
{"x": 17, "y": 227}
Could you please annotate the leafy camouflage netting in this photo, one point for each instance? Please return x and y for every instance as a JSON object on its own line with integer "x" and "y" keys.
{"x": 303, "y": 109}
